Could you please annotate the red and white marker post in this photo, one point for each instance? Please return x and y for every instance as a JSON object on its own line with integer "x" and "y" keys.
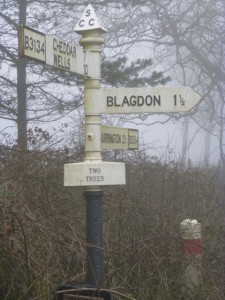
{"x": 191, "y": 245}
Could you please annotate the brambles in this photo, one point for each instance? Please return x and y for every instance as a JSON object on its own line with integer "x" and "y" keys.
{"x": 46, "y": 244}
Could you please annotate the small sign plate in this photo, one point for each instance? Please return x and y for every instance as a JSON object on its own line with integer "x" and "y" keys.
{"x": 32, "y": 43}
{"x": 133, "y": 139}
{"x": 113, "y": 138}
{"x": 92, "y": 173}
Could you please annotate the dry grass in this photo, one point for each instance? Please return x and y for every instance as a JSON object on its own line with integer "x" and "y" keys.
{"x": 42, "y": 228}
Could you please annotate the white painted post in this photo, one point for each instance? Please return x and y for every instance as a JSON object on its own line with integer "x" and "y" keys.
{"x": 92, "y": 32}
{"x": 191, "y": 244}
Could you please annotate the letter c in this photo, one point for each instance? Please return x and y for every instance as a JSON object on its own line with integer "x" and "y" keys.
{"x": 81, "y": 23}
{"x": 92, "y": 22}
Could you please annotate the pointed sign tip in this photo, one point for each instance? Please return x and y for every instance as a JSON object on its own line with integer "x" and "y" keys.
{"x": 89, "y": 21}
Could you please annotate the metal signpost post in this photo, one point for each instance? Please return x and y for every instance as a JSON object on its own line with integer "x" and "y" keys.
{"x": 92, "y": 32}
{"x": 93, "y": 173}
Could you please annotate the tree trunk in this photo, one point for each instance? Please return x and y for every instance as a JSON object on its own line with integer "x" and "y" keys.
{"x": 185, "y": 141}
{"x": 22, "y": 88}
{"x": 208, "y": 138}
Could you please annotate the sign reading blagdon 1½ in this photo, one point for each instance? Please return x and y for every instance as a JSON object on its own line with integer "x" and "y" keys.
{"x": 115, "y": 138}
{"x": 143, "y": 100}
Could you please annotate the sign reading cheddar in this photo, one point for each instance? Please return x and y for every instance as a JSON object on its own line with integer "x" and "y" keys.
{"x": 64, "y": 55}
{"x": 57, "y": 53}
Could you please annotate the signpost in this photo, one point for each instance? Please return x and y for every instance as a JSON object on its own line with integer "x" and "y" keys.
{"x": 93, "y": 173}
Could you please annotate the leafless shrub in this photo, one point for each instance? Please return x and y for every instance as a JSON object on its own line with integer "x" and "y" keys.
{"x": 42, "y": 228}
{"x": 144, "y": 258}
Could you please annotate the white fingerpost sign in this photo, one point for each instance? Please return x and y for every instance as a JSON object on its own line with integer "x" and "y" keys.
{"x": 143, "y": 100}
{"x": 57, "y": 53}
